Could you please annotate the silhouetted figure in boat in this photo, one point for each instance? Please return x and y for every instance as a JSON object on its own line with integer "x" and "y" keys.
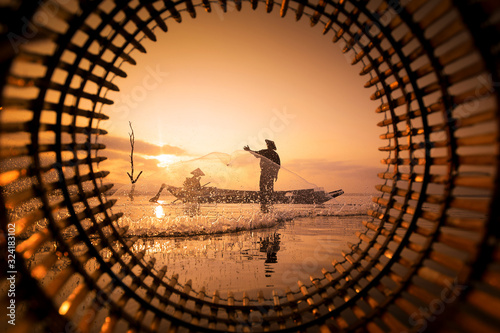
{"x": 269, "y": 168}
{"x": 191, "y": 185}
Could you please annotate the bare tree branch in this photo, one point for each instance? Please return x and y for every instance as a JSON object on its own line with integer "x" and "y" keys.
{"x": 132, "y": 142}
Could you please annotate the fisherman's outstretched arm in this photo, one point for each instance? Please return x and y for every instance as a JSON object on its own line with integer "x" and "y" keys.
{"x": 254, "y": 153}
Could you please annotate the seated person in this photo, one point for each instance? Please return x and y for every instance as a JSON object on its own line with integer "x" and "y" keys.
{"x": 193, "y": 183}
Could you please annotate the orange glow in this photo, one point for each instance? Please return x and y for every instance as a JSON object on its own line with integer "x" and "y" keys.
{"x": 165, "y": 159}
{"x": 220, "y": 82}
{"x": 159, "y": 212}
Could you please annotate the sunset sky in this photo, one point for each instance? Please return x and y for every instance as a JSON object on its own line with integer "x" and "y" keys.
{"x": 222, "y": 81}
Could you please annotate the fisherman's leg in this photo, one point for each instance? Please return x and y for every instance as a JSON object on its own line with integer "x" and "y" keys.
{"x": 262, "y": 193}
{"x": 267, "y": 191}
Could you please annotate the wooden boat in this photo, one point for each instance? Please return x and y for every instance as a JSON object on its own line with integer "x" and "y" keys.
{"x": 216, "y": 195}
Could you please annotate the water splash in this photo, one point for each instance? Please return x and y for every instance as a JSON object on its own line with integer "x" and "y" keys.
{"x": 163, "y": 219}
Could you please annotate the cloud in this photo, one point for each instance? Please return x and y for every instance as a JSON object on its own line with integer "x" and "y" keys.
{"x": 140, "y": 147}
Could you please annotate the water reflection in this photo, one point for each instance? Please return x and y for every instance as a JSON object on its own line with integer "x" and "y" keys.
{"x": 254, "y": 260}
{"x": 270, "y": 245}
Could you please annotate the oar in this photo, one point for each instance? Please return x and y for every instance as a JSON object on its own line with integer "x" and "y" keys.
{"x": 201, "y": 187}
{"x": 157, "y": 196}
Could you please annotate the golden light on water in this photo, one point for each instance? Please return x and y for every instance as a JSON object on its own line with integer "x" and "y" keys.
{"x": 159, "y": 212}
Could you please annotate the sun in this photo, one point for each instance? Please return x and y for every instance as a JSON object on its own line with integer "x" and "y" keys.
{"x": 166, "y": 159}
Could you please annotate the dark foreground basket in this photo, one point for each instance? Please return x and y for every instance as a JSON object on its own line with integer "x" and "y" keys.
{"x": 428, "y": 259}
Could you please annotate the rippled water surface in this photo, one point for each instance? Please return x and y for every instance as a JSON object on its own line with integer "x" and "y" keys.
{"x": 270, "y": 258}
{"x": 233, "y": 247}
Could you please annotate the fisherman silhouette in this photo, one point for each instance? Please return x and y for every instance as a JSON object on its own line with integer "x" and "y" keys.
{"x": 191, "y": 186}
{"x": 269, "y": 168}
{"x": 193, "y": 183}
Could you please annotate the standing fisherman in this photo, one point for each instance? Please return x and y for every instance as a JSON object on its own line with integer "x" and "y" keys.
{"x": 269, "y": 168}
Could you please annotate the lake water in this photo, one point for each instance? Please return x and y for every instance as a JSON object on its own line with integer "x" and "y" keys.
{"x": 229, "y": 247}
{"x": 233, "y": 247}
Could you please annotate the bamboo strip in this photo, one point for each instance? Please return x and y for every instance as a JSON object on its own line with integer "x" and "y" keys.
{"x": 279, "y": 311}
{"x": 478, "y": 140}
{"x": 309, "y": 300}
{"x": 466, "y": 73}
{"x": 340, "y": 33}
{"x": 213, "y": 310}
{"x": 394, "y": 324}
{"x": 230, "y": 312}
{"x": 17, "y": 81}
{"x": 140, "y": 24}
{"x": 478, "y": 160}
{"x": 198, "y": 305}
{"x": 265, "y": 317}
{"x": 332, "y": 17}
{"x": 74, "y": 163}
{"x": 156, "y": 16}
{"x": 237, "y": 4}
{"x": 484, "y": 301}
{"x": 415, "y": 5}
{"x": 190, "y": 8}
{"x": 373, "y": 327}
{"x": 40, "y": 270}
{"x": 449, "y": 262}
{"x": 453, "y": 241}
{"x": 406, "y": 306}
{"x": 477, "y": 205}
{"x": 320, "y": 8}
{"x": 206, "y": 5}
{"x": 119, "y": 29}
{"x": 27, "y": 221}
{"x": 40, "y": 59}
{"x": 150, "y": 292}
{"x": 73, "y": 147}
{"x": 387, "y": 252}
{"x": 433, "y": 108}
{"x": 395, "y": 103}
{"x": 398, "y": 239}
{"x": 440, "y": 10}
{"x": 170, "y": 6}
{"x": 93, "y": 58}
{"x": 358, "y": 312}
{"x": 435, "y": 277}
{"x": 58, "y": 282}
{"x": 473, "y": 224}
{"x": 155, "y": 324}
{"x": 456, "y": 53}
{"x": 269, "y": 6}
{"x": 182, "y": 301}
{"x": 446, "y": 33}
{"x": 109, "y": 324}
{"x": 69, "y": 307}
{"x": 300, "y": 9}
{"x": 492, "y": 278}
{"x": 11, "y": 176}
{"x": 223, "y": 5}
{"x": 297, "y": 319}
{"x": 245, "y": 313}
{"x": 471, "y": 323}
{"x": 477, "y": 118}
{"x": 43, "y": 127}
{"x": 28, "y": 247}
